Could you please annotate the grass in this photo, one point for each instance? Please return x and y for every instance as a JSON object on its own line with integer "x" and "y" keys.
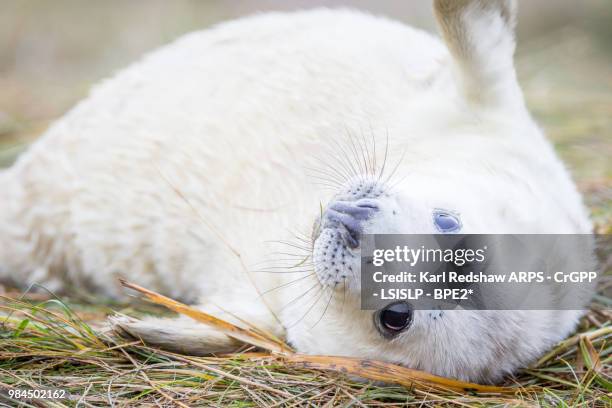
{"x": 51, "y": 342}
{"x": 47, "y": 344}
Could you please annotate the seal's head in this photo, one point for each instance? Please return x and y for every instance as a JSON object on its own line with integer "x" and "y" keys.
{"x": 475, "y": 345}
{"x": 481, "y": 168}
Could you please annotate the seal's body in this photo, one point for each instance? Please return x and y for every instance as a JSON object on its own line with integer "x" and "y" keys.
{"x": 177, "y": 172}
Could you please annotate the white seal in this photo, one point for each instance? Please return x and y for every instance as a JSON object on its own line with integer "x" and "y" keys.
{"x": 180, "y": 170}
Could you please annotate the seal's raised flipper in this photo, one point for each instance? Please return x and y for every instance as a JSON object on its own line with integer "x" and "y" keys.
{"x": 480, "y": 37}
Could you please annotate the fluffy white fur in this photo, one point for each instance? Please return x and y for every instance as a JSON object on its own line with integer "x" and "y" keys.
{"x": 178, "y": 171}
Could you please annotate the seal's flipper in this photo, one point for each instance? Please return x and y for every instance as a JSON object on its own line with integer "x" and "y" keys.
{"x": 480, "y": 37}
{"x": 186, "y": 335}
{"x": 181, "y": 334}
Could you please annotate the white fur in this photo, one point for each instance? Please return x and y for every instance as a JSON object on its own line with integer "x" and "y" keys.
{"x": 177, "y": 171}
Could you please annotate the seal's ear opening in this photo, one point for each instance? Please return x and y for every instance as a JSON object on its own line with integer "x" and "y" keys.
{"x": 480, "y": 36}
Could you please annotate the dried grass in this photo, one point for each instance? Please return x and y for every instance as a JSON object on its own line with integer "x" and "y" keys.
{"x": 46, "y": 344}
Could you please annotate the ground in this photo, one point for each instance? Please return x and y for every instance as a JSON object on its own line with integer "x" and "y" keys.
{"x": 45, "y": 342}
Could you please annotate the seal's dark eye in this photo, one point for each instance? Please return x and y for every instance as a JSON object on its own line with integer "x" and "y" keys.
{"x": 446, "y": 221}
{"x": 394, "y": 318}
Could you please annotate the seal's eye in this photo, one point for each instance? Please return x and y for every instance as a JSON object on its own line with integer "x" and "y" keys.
{"x": 446, "y": 221}
{"x": 394, "y": 318}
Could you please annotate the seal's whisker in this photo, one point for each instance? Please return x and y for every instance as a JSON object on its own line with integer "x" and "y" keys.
{"x": 328, "y": 171}
{"x": 292, "y": 266}
{"x": 374, "y": 158}
{"x": 326, "y": 186}
{"x": 361, "y": 155}
{"x": 302, "y": 256}
{"x": 342, "y": 168}
{"x": 354, "y": 159}
{"x": 327, "y": 168}
{"x": 284, "y": 285}
{"x": 346, "y": 155}
{"x": 339, "y": 159}
{"x": 284, "y": 271}
{"x": 386, "y": 154}
{"x": 292, "y": 257}
{"x": 364, "y": 154}
{"x": 359, "y": 158}
{"x": 331, "y": 296}
{"x": 297, "y": 298}
{"x": 320, "y": 294}
{"x": 302, "y": 246}
{"x": 396, "y": 167}
{"x": 324, "y": 176}
{"x": 368, "y": 151}
{"x": 303, "y": 243}
{"x": 355, "y": 154}
{"x": 367, "y": 161}
{"x": 304, "y": 238}
{"x": 289, "y": 268}
{"x": 280, "y": 241}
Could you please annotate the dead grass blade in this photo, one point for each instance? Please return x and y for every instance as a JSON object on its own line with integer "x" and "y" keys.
{"x": 572, "y": 341}
{"x": 391, "y": 373}
{"x": 592, "y": 360}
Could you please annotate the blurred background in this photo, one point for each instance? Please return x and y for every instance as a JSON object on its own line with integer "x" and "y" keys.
{"x": 51, "y": 52}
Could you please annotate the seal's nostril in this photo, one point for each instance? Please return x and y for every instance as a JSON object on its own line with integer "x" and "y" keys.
{"x": 352, "y": 224}
{"x": 351, "y": 209}
{"x": 351, "y": 215}
{"x": 361, "y": 209}
{"x": 367, "y": 203}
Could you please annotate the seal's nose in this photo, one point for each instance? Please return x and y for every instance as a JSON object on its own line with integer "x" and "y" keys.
{"x": 351, "y": 215}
